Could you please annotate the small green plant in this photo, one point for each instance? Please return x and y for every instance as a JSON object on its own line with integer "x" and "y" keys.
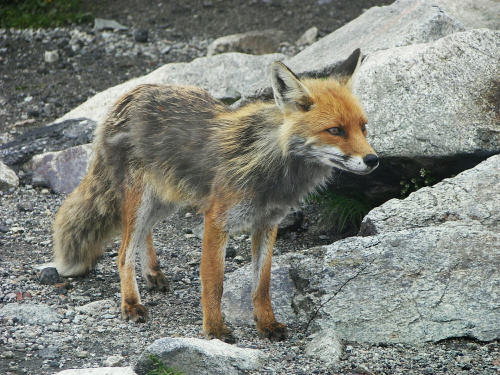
{"x": 41, "y": 13}
{"x": 160, "y": 368}
{"x": 409, "y": 185}
{"x": 341, "y": 211}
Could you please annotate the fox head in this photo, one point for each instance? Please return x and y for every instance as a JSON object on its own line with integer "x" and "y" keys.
{"x": 324, "y": 117}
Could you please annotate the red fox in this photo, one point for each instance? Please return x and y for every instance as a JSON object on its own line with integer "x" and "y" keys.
{"x": 165, "y": 146}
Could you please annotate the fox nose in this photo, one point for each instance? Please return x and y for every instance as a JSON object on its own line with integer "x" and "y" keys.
{"x": 371, "y": 160}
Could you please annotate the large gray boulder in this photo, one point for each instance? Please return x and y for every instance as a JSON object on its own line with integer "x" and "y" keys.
{"x": 226, "y": 76}
{"x": 432, "y": 106}
{"x": 474, "y": 14}
{"x": 402, "y": 23}
{"x": 425, "y": 276}
{"x": 436, "y": 99}
{"x": 203, "y": 357}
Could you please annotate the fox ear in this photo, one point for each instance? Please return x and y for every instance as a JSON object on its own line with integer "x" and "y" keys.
{"x": 289, "y": 92}
{"x": 345, "y": 71}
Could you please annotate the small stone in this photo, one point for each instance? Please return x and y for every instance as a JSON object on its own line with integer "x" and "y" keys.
{"x": 8, "y": 178}
{"x": 101, "y": 24}
{"x": 82, "y": 354}
{"x": 230, "y": 252}
{"x": 165, "y": 51}
{"x": 239, "y": 259}
{"x": 49, "y": 276}
{"x": 141, "y": 35}
{"x": 25, "y": 206}
{"x": 8, "y": 354}
{"x": 114, "y": 361}
{"x": 309, "y": 37}
{"x": 51, "y": 56}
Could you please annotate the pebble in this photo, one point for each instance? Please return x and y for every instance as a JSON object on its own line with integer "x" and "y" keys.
{"x": 141, "y": 35}
{"x": 82, "y": 354}
{"x": 8, "y": 355}
{"x": 49, "y": 276}
{"x": 51, "y": 56}
{"x": 114, "y": 361}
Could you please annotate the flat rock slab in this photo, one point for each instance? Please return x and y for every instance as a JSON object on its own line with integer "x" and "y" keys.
{"x": 99, "y": 371}
{"x": 424, "y": 271}
{"x": 30, "y": 314}
{"x": 471, "y": 197}
{"x": 201, "y": 357}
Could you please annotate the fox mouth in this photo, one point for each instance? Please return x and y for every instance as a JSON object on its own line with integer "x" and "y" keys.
{"x": 354, "y": 164}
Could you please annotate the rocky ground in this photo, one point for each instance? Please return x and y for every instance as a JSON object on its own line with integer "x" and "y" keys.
{"x": 86, "y": 329}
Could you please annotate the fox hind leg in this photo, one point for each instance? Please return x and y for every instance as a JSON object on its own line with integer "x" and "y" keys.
{"x": 141, "y": 211}
{"x": 262, "y": 251}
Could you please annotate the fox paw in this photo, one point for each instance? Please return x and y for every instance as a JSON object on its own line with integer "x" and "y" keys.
{"x": 223, "y": 334}
{"x": 274, "y": 332}
{"x": 157, "y": 282}
{"x": 135, "y": 312}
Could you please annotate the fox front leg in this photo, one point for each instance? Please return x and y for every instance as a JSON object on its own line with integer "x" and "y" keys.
{"x": 212, "y": 278}
{"x": 262, "y": 251}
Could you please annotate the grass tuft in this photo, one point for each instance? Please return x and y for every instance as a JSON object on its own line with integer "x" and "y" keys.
{"x": 341, "y": 212}
{"x": 161, "y": 369}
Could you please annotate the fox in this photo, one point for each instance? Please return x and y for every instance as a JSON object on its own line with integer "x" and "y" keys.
{"x": 163, "y": 147}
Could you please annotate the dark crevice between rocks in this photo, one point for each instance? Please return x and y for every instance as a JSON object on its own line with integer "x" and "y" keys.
{"x": 55, "y": 137}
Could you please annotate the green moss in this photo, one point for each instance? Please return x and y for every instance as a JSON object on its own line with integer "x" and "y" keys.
{"x": 41, "y": 13}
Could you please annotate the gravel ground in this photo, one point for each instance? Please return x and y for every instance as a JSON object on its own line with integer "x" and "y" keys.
{"x": 87, "y": 330}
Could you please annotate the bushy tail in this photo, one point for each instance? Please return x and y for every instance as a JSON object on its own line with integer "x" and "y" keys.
{"x": 90, "y": 215}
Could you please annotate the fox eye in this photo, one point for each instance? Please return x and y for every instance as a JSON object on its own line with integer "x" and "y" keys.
{"x": 363, "y": 128}
{"x": 336, "y": 131}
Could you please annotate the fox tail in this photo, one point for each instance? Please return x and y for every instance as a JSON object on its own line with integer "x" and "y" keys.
{"x": 90, "y": 215}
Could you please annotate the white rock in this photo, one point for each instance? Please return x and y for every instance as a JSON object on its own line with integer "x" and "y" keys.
{"x": 201, "y": 357}
{"x": 99, "y": 371}
{"x": 309, "y": 37}
{"x": 51, "y": 56}
{"x": 101, "y": 24}
{"x": 113, "y": 361}
{"x": 252, "y": 42}
{"x": 325, "y": 345}
{"x": 8, "y": 177}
